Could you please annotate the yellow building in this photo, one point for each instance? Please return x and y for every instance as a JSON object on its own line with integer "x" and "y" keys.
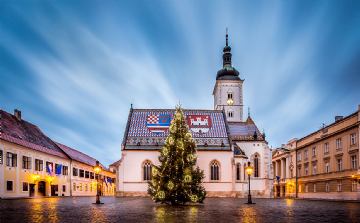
{"x": 32, "y": 165}
{"x": 327, "y": 161}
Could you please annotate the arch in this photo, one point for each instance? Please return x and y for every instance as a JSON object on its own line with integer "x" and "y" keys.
{"x": 238, "y": 171}
{"x": 214, "y": 170}
{"x": 256, "y": 162}
{"x": 146, "y": 170}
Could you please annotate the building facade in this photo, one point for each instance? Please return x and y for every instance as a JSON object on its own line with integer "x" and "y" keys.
{"x": 321, "y": 165}
{"x": 33, "y": 165}
{"x": 225, "y": 143}
{"x": 327, "y": 161}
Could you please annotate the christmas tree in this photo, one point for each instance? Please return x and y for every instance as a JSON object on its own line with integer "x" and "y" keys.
{"x": 176, "y": 180}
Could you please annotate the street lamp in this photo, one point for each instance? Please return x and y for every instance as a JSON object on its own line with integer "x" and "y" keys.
{"x": 97, "y": 170}
{"x": 249, "y": 171}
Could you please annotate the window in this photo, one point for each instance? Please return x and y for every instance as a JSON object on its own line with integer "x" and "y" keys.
{"x": 9, "y": 185}
{"x": 58, "y": 168}
{"x": 299, "y": 157}
{"x": 1, "y": 157}
{"x": 339, "y": 164}
{"x": 306, "y": 168}
{"x": 244, "y": 171}
{"x": 147, "y": 170}
{"x": 11, "y": 159}
{"x": 314, "y": 187}
{"x": 230, "y": 114}
{"x": 353, "y": 162}
{"x": 230, "y": 96}
{"x": 87, "y": 174}
{"x": 339, "y": 186}
{"x": 313, "y": 151}
{"x": 39, "y": 165}
{"x": 327, "y": 167}
{"x": 49, "y": 167}
{"x": 338, "y": 143}
{"x": 306, "y": 154}
{"x": 214, "y": 170}
{"x": 26, "y": 164}
{"x": 299, "y": 171}
{"x": 81, "y": 173}
{"x": 65, "y": 170}
{"x": 75, "y": 172}
{"x": 25, "y": 186}
{"x": 314, "y": 170}
{"x": 326, "y": 148}
{"x": 256, "y": 166}
{"x": 352, "y": 139}
{"x": 354, "y": 186}
{"x": 306, "y": 188}
{"x": 91, "y": 175}
{"x": 64, "y": 188}
{"x": 299, "y": 188}
{"x": 74, "y": 186}
{"x": 238, "y": 171}
{"x": 327, "y": 187}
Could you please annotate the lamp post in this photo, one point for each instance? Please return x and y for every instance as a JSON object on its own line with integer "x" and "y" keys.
{"x": 97, "y": 170}
{"x": 249, "y": 170}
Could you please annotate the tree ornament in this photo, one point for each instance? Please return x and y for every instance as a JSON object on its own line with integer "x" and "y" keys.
{"x": 178, "y": 115}
{"x": 187, "y": 178}
{"x": 171, "y": 141}
{"x": 190, "y": 157}
{"x": 154, "y": 171}
{"x": 170, "y": 185}
{"x": 165, "y": 151}
{"x": 180, "y": 144}
{"x": 188, "y": 135}
{"x": 161, "y": 195}
{"x": 194, "y": 198}
{"x": 173, "y": 129}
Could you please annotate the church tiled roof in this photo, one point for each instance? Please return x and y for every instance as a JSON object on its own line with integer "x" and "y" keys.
{"x": 140, "y": 134}
{"x": 242, "y": 131}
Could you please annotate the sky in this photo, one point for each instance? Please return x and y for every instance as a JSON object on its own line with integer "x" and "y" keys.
{"x": 74, "y": 67}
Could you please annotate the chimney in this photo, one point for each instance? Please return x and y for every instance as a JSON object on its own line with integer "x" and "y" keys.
{"x": 338, "y": 118}
{"x": 17, "y": 114}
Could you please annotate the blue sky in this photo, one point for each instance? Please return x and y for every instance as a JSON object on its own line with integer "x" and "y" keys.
{"x": 74, "y": 67}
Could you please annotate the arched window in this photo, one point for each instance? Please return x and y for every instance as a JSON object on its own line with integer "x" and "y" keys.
{"x": 238, "y": 171}
{"x": 256, "y": 166}
{"x": 230, "y": 114}
{"x": 214, "y": 169}
{"x": 230, "y": 95}
{"x": 147, "y": 170}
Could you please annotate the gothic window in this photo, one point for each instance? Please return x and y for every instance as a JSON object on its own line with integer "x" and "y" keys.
{"x": 230, "y": 95}
{"x": 147, "y": 170}
{"x": 238, "y": 171}
{"x": 256, "y": 166}
{"x": 230, "y": 114}
{"x": 214, "y": 170}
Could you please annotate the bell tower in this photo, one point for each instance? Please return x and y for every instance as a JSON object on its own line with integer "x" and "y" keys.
{"x": 228, "y": 91}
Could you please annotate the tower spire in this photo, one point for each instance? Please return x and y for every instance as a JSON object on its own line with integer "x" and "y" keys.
{"x": 227, "y": 51}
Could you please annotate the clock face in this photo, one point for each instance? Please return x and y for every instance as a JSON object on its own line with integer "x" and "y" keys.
{"x": 230, "y": 101}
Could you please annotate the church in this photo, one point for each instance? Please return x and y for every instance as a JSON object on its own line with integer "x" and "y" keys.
{"x": 225, "y": 143}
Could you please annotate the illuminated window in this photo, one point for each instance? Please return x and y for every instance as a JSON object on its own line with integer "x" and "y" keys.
{"x": 214, "y": 170}
{"x": 147, "y": 170}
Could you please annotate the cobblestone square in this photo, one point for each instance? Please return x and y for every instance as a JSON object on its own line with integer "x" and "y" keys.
{"x": 81, "y": 209}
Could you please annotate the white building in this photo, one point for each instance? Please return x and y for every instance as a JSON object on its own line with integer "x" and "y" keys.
{"x": 225, "y": 143}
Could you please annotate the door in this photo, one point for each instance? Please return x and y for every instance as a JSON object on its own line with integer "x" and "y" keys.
{"x": 42, "y": 188}
{"x": 31, "y": 190}
{"x": 54, "y": 190}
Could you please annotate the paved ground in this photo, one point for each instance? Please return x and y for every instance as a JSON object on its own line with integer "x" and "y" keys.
{"x": 81, "y": 209}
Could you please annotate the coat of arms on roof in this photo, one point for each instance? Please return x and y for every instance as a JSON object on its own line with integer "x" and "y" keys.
{"x": 199, "y": 123}
{"x": 158, "y": 123}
